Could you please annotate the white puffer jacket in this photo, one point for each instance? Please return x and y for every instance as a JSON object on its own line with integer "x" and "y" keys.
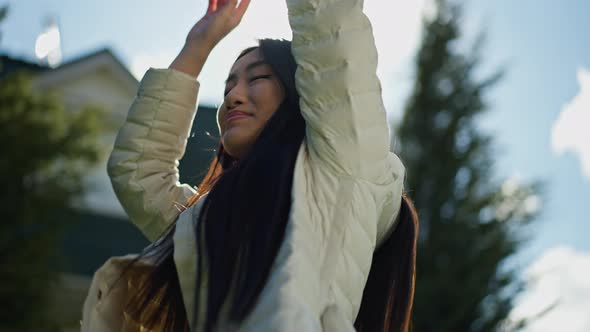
{"x": 346, "y": 189}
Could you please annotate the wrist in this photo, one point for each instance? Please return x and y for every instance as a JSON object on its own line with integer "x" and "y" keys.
{"x": 198, "y": 48}
{"x": 191, "y": 59}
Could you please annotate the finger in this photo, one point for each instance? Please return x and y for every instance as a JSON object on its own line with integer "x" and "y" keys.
{"x": 212, "y": 6}
{"x": 222, "y": 3}
{"x": 230, "y": 4}
{"x": 243, "y": 6}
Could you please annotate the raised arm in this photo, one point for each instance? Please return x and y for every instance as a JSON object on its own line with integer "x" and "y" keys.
{"x": 143, "y": 166}
{"x": 341, "y": 101}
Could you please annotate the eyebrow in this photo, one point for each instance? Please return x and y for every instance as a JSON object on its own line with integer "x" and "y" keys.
{"x": 251, "y": 66}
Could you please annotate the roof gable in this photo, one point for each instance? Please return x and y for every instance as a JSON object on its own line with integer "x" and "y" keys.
{"x": 102, "y": 61}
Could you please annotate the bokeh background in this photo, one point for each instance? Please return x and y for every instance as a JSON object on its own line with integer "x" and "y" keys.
{"x": 488, "y": 104}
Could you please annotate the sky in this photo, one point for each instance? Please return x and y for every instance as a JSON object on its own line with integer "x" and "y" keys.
{"x": 539, "y": 112}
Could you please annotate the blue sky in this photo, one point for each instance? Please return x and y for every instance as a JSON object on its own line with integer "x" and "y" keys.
{"x": 543, "y": 44}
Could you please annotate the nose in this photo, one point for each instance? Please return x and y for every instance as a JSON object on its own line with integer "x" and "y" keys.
{"x": 236, "y": 96}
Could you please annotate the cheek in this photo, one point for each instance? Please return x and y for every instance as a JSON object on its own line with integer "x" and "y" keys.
{"x": 267, "y": 98}
{"x": 220, "y": 114}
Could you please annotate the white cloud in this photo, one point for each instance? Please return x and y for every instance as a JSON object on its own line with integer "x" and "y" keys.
{"x": 396, "y": 26}
{"x": 570, "y": 130}
{"x": 558, "y": 277}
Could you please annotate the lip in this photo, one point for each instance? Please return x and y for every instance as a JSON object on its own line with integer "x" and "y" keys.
{"x": 235, "y": 115}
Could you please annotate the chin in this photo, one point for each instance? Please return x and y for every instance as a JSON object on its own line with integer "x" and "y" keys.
{"x": 236, "y": 142}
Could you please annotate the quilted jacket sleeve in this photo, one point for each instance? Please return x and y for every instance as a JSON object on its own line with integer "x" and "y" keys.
{"x": 143, "y": 165}
{"x": 340, "y": 92}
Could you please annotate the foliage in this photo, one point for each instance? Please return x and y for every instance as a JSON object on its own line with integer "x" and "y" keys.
{"x": 470, "y": 223}
{"x": 46, "y": 151}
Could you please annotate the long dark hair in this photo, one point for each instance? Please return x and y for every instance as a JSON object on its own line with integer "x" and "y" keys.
{"x": 242, "y": 223}
{"x": 388, "y": 296}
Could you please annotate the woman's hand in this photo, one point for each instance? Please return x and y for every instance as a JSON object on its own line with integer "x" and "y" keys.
{"x": 221, "y": 18}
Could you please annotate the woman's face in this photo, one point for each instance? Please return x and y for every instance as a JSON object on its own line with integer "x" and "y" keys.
{"x": 252, "y": 94}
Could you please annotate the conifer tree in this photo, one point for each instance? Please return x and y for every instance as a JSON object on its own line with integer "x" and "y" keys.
{"x": 470, "y": 221}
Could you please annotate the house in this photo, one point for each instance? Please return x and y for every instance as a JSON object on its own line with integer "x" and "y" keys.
{"x": 102, "y": 229}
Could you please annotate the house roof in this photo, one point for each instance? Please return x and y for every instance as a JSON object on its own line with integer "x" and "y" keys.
{"x": 9, "y": 65}
{"x": 86, "y": 65}
{"x": 77, "y": 66}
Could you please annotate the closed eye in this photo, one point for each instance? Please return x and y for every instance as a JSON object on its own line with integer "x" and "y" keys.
{"x": 227, "y": 90}
{"x": 254, "y": 78}
{"x": 259, "y": 77}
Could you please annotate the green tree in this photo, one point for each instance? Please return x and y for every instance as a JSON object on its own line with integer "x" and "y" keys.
{"x": 3, "y": 12}
{"x": 46, "y": 150}
{"x": 470, "y": 222}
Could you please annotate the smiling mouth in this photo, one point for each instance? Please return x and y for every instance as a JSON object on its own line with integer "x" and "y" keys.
{"x": 236, "y": 116}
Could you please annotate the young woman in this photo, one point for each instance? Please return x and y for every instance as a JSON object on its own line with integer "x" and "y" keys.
{"x": 301, "y": 223}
